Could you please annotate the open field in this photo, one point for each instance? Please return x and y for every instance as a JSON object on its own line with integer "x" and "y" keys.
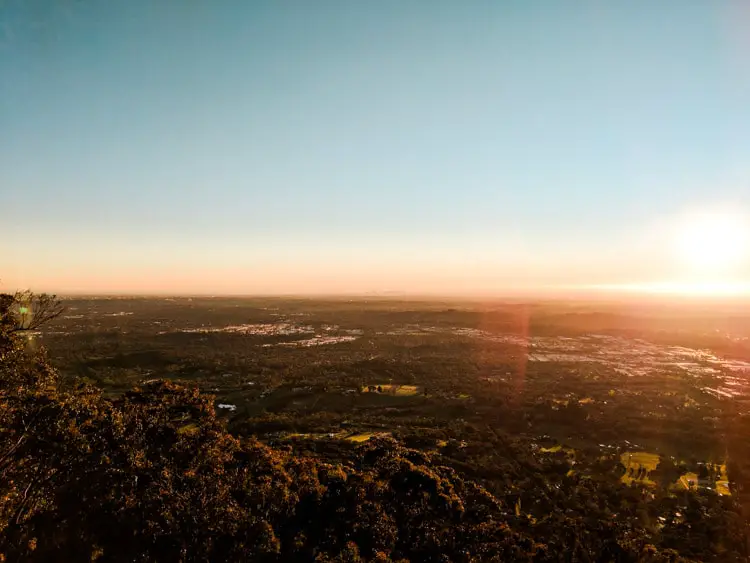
{"x": 391, "y": 389}
{"x": 638, "y": 465}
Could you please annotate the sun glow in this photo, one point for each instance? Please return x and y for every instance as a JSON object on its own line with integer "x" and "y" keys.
{"x": 709, "y": 288}
{"x": 712, "y": 243}
{"x": 706, "y": 254}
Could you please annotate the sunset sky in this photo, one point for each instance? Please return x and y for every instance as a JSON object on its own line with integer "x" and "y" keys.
{"x": 341, "y": 146}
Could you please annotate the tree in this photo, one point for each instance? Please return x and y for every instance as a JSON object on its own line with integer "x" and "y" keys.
{"x": 32, "y": 310}
{"x": 667, "y": 473}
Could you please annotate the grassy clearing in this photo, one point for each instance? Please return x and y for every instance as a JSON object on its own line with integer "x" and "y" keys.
{"x": 364, "y": 436}
{"x": 191, "y": 428}
{"x": 392, "y": 389}
{"x": 636, "y": 461}
{"x": 360, "y": 437}
{"x": 557, "y": 448}
{"x": 688, "y": 481}
{"x": 722, "y": 485}
{"x": 348, "y": 436}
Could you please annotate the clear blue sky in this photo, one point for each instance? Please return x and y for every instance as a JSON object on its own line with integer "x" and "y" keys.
{"x": 257, "y": 146}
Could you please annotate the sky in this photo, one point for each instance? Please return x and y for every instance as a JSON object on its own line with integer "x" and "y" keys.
{"x": 341, "y": 147}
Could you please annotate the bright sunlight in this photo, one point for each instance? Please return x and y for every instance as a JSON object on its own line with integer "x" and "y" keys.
{"x": 713, "y": 243}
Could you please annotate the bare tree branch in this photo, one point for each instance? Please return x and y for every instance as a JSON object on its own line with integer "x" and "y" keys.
{"x": 32, "y": 310}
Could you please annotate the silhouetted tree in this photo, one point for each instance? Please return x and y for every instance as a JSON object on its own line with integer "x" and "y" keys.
{"x": 32, "y": 310}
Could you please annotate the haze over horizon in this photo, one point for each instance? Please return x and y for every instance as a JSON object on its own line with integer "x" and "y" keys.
{"x": 435, "y": 147}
